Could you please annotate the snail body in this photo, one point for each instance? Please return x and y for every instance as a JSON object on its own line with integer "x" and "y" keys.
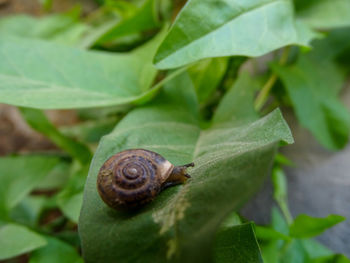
{"x": 135, "y": 177}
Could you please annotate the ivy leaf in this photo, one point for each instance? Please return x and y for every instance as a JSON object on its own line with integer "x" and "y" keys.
{"x": 180, "y": 224}
{"x": 307, "y": 226}
{"x": 19, "y": 175}
{"x": 16, "y": 240}
{"x": 237, "y": 244}
{"x": 248, "y": 28}
{"x": 39, "y": 74}
{"x": 324, "y": 14}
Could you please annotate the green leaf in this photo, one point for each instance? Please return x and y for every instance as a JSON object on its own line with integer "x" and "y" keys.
{"x": 270, "y": 252}
{"x": 38, "y": 74}
{"x": 180, "y": 224}
{"x": 56, "y": 178}
{"x": 307, "y": 226}
{"x": 206, "y": 28}
{"x": 267, "y": 233}
{"x": 280, "y": 193}
{"x": 235, "y": 106}
{"x": 91, "y": 131}
{"x": 16, "y": 240}
{"x": 70, "y": 198}
{"x": 59, "y": 28}
{"x": 324, "y": 14}
{"x": 237, "y": 244}
{"x": 143, "y": 18}
{"x": 55, "y": 251}
{"x": 294, "y": 253}
{"x": 330, "y": 47}
{"x": 278, "y": 222}
{"x": 314, "y": 96}
{"x": 314, "y": 249}
{"x": 19, "y": 175}
{"x": 28, "y": 211}
{"x": 206, "y": 76}
{"x": 39, "y": 122}
{"x": 331, "y": 259}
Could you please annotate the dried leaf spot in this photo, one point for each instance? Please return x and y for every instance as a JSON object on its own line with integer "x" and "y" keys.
{"x": 173, "y": 212}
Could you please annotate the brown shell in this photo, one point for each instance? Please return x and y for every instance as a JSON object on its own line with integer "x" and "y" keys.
{"x": 132, "y": 177}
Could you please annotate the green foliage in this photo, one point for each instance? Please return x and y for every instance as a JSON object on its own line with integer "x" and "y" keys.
{"x": 61, "y": 28}
{"x": 140, "y": 19}
{"x": 237, "y": 244}
{"x": 314, "y": 95}
{"x": 16, "y": 239}
{"x": 210, "y": 111}
{"x": 287, "y": 240}
{"x": 55, "y": 251}
{"x": 307, "y": 226}
{"x": 20, "y": 175}
{"x": 67, "y": 77}
{"x": 38, "y": 121}
{"x": 324, "y": 14}
{"x": 220, "y": 178}
{"x": 192, "y": 38}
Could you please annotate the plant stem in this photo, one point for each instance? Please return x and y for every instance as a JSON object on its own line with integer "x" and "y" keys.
{"x": 264, "y": 93}
{"x": 285, "y": 211}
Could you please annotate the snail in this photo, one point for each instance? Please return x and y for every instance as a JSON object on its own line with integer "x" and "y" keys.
{"x": 134, "y": 177}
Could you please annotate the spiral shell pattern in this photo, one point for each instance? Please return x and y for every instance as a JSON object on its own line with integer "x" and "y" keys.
{"x": 132, "y": 178}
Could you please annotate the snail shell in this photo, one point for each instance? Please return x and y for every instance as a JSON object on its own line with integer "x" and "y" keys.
{"x": 134, "y": 177}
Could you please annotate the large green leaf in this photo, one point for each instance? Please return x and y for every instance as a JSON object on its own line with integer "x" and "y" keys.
{"x": 231, "y": 160}
{"x": 237, "y": 244}
{"x": 40, "y": 74}
{"x": 16, "y": 239}
{"x": 18, "y": 176}
{"x": 324, "y": 13}
{"x": 206, "y": 28}
{"x": 62, "y": 28}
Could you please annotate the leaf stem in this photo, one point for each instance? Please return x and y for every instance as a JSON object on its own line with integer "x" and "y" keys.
{"x": 285, "y": 211}
{"x": 264, "y": 93}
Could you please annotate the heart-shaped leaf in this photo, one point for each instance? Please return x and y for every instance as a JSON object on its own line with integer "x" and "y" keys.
{"x": 231, "y": 159}
{"x": 207, "y": 28}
